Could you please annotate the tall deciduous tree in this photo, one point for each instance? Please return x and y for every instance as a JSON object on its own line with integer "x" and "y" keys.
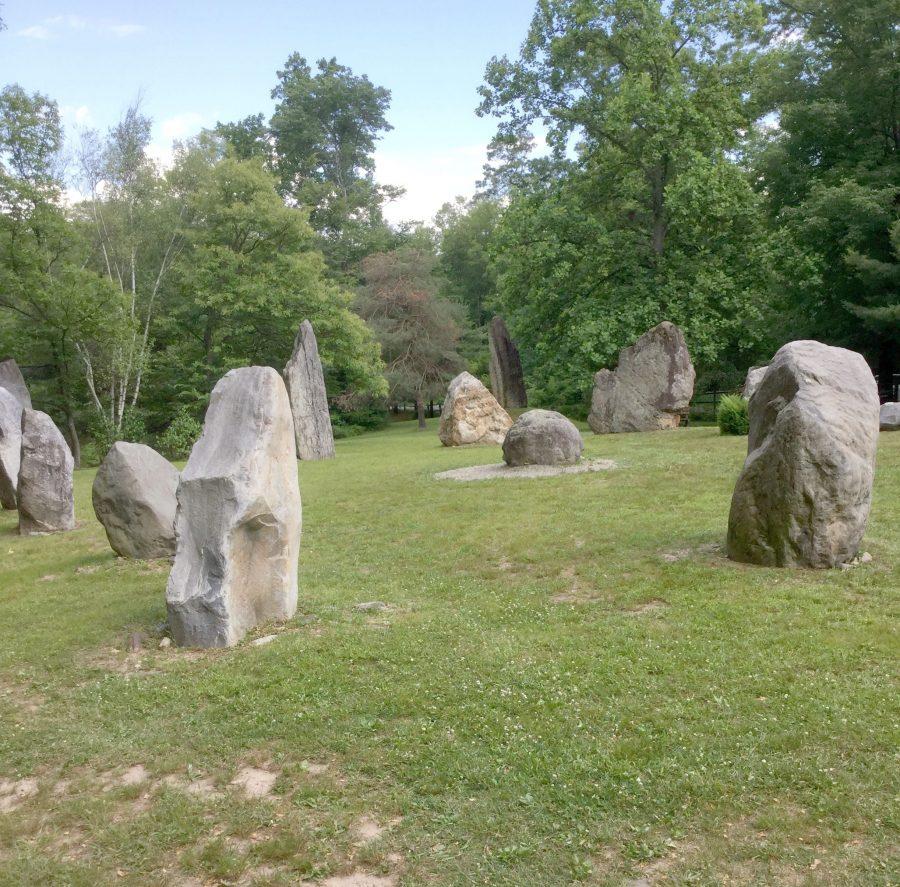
{"x": 419, "y": 331}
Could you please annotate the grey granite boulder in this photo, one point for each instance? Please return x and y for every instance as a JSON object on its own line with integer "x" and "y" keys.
{"x": 238, "y": 520}
{"x": 134, "y": 499}
{"x": 471, "y": 414}
{"x": 10, "y": 447}
{"x": 803, "y": 496}
{"x": 507, "y": 380}
{"x": 309, "y": 402}
{"x": 11, "y": 379}
{"x": 755, "y": 375}
{"x": 542, "y": 437}
{"x": 889, "y": 417}
{"x": 45, "y": 492}
{"x": 651, "y": 387}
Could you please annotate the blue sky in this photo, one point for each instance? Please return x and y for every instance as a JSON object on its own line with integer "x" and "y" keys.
{"x": 197, "y": 61}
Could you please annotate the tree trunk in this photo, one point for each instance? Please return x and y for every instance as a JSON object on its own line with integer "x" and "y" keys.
{"x": 74, "y": 442}
{"x": 420, "y": 413}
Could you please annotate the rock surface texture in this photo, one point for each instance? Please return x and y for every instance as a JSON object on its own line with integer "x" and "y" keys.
{"x": 10, "y": 447}
{"x": 45, "y": 496}
{"x": 651, "y": 387}
{"x": 542, "y": 437}
{"x": 889, "y": 418}
{"x": 238, "y": 521}
{"x": 134, "y": 499}
{"x": 11, "y": 379}
{"x": 507, "y": 381}
{"x": 471, "y": 414}
{"x": 803, "y": 496}
{"x": 754, "y": 377}
{"x": 309, "y": 402}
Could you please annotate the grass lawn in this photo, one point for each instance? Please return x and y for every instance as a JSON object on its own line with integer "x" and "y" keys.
{"x": 569, "y": 684}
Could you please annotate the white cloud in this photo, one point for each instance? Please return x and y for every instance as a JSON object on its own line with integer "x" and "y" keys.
{"x": 35, "y": 32}
{"x": 125, "y": 30}
{"x": 56, "y": 25}
{"x": 177, "y": 128}
{"x": 79, "y": 115}
{"x": 430, "y": 179}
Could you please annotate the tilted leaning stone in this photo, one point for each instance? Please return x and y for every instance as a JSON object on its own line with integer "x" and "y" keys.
{"x": 507, "y": 380}
{"x": 309, "y": 401}
{"x": 803, "y": 496}
{"x": 542, "y": 437}
{"x": 651, "y": 387}
{"x": 755, "y": 375}
{"x": 10, "y": 447}
{"x": 889, "y": 418}
{"x": 238, "y": 521}
{"x": 134, "y": 499}
{"x": 45, "y": 495}
{"x": 471, "y": 414}
{"x": 11, "y": 379}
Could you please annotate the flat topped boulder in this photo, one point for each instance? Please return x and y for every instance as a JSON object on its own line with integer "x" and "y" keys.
{"x": 651, "y": 387}
{"x": 12, "y": 380}
{"x": 45, "y": 494}
{"x": 238, "y": 521}
{"x": 755, "y": 375}
{"x": 542, "y": 437}
{"x": 471, "y": 414}
{"x": 10, "y": 447}
{"x": 134, "y": 498}
{"x": 803, "y": 496}
{"x": 889, "y": 417}
{"x": 507, "y": 379}
{"x": 309, "y": 401}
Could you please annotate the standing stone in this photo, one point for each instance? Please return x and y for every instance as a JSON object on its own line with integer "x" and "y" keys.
{"x": 10, "y": 447}
{"x": 889, "y": 419}
{"x": 134, "y": 499}
{"x": 542, "y": 437}
{"x": 309, "y": 403}
{"x": 11, "y": 379}
{"x": 471, "y": 414}
{"x": 507, "y": 381}
{"x": 803, "y": 496}
{"x": 651, "y": 387}
{"x": 754, "y": 377}
{"x": 45, "y": 495}
{"x": 238, "y": 522}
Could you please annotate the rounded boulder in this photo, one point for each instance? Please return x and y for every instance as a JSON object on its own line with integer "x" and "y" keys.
{"x": 542, "y": 437}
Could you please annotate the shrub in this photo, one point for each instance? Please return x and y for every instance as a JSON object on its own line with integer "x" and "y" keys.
{"x": 732, "y": 415}
{"x": 176, "y": 441}
{"x": 104, "y": 434}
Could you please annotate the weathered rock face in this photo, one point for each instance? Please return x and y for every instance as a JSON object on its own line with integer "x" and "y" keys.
{"x": 542, "y": 437}
{"x": 238, "y": 521}
{"x": 507, "y": 381}
{"x": 754, "y": 377}
{"x": 11, "y": 379}
{"x": 651, "y": 387}
{"x": 889, "y": 419}
{"x": 804, "y": 494}
{"x": 309, "y": 402}
{"x": 471, "y": 414}
{"x": 45, "y": 496}
{"x": 10, "y": 447}
{"x": 134, "y": 499}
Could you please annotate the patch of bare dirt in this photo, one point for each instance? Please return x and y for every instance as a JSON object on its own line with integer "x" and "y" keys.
{"x": 704, "y": 550}
{"x": 645, "y": 608}
{"x": 255, "y": 781}
{"x": 523, "y": 472}
{"x": 358, "y": 879}
{"x": 13, "y": 792}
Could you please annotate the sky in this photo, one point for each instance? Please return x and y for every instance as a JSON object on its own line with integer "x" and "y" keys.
{"x": 196, "y": 62}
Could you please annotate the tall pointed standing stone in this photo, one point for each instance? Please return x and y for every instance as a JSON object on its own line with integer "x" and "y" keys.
{"x": 507, "y": 381}
{"x": 309, "y": 402}
{"x": 45, "y": 495}
{"x": 10, "y": 447}
{"x": 238, "y": 522}
{"x": 11, "y": 379}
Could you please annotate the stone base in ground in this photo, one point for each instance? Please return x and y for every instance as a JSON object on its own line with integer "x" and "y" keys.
{"x": 523, "y": 472}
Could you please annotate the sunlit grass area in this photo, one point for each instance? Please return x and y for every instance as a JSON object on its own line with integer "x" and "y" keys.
{"x": 555, "y": 681}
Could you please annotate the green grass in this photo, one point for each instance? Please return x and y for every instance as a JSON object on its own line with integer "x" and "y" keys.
{"x": 547, "y": 700}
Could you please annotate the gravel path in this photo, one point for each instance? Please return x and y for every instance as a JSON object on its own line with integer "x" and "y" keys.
{"x": 501, "y": 469}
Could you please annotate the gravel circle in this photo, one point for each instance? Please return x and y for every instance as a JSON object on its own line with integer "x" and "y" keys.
{"x": 501, "y": 469}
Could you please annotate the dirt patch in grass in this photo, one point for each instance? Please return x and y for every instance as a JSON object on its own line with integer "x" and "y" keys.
{"x": 255, "y": 782}
{"x": 15, "y": 792}
{"x": 654, "y": 605}
{"x": 357, "y": 879}
{"x": 523, "y": 472}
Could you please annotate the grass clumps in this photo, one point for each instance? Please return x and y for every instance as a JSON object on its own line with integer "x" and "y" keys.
{"x": 732, "y": 416}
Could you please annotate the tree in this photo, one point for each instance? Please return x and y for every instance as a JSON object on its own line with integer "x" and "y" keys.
{"x": 419, "y": 331}
{"x": 830, "y": 171}
{"x": 641, "y": 212}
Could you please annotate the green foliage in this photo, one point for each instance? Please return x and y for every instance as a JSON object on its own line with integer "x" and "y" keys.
{"x": 104, "y": 432}
{"x": 180, "y": 436}
{"x": 732, "y": 416}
